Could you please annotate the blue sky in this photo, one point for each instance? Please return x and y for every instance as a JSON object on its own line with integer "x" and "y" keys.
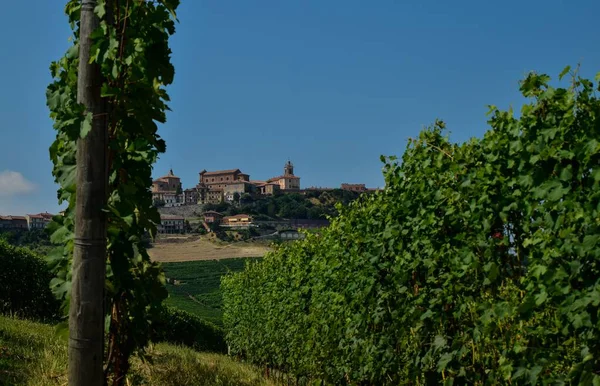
{"x": 330, "y": 84}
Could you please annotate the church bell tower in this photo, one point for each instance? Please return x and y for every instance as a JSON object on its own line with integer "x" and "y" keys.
{"x": 288, "y": 169}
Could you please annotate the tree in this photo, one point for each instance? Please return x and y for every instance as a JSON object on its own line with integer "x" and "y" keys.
{"x": 236, "y": 198}
{"x": 246, "y": 199}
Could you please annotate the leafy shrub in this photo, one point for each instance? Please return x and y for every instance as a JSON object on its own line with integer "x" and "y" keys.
{"x": 181, "y": 327}
{"x": 25, "y": 284}
{"x": 36, "y": 240}
{"x": 477, "y": 264}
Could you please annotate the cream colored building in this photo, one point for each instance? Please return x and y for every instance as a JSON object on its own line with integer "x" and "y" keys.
{"x": 38, "y": 221}
{"x": 212, "y": 185}
{"x": 288, "y": 181}
{"x": 168, "y": 190}
{"x": 239, "y": 220}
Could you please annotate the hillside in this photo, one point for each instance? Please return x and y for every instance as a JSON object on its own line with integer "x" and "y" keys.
{"x": 311, "y": 205}
{"x": 189, "y": 248}
{"x": 187, "y": 211}
{"x": 33, "y": 354}
{"x": 195, "y": 286}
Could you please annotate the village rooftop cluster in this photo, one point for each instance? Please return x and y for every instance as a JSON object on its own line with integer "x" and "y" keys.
{"x": 28, "y": 222}
{"x": 220, "y": 186}
{"x": 213, "y": 188}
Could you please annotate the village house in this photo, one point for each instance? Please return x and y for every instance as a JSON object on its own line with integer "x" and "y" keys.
{"x": 239, "y": 187}
{"x": 239, "y": 220}
{"x": 360, "y": 188}
{"x": 190, "y": 196}
{"x": 38, "y": 221}
{"x": 288, "y": 181}
{"x": 212, "y": 217}
{"x": 167, "y": 189}
{"x": 212, "y": 184}
{"x": 13, "y": 222}
{"x": 171, "y": 224}
{"x": 265, "y": 188}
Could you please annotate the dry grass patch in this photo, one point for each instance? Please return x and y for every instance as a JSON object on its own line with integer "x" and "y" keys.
{"x": 178, "y": 249}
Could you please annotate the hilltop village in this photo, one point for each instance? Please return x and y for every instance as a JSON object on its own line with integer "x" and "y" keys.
{"x": 232, "y": 188}
{"x": 215, "y": 187}
{"x": 219, "y": 188}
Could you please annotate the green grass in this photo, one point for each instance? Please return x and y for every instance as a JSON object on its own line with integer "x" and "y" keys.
{"x": 33, "y": 354}
{"x": 199, "y": 290}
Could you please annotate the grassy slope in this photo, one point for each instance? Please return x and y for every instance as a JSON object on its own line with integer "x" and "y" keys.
{"x": 32, "y": 354}
{"x": 199, "y": 291}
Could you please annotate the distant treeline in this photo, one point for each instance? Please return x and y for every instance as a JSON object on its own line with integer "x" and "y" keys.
{"x": 35, "y": 239}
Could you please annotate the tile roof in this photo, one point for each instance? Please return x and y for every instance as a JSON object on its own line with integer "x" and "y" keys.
{"x": 217, "y": 172}
{"x": 281, "y": 177}
{"x": 44, "y": 215}
{"x": 169, "y": 175}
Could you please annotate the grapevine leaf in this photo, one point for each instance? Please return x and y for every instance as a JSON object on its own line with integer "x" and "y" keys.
{"x": 444, "y": 360}
{"x": 564, "y": 72}
{"x": 86, "y": 125}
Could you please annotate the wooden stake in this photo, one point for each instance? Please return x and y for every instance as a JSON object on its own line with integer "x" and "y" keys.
{"x": 86, "y": 314}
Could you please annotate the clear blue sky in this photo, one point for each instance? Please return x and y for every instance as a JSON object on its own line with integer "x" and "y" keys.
{"x": 331, "y": 85}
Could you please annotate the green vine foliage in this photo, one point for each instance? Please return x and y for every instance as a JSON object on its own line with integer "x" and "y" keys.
{"x": 131, "y": 48}
{"x": 477, "y": 264}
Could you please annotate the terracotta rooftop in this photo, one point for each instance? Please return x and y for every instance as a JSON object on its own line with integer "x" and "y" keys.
{"x": 217, "y": 172}
{"x": 44, "y": 215}
{"x": 238, "y": 182}
{"x": 170, "y": 175}
{"x": 11, "y": 217}
{"x": 286, "y": 177}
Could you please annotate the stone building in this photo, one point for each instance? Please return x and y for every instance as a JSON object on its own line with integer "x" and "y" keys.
{"x": 167, "y": 189}
{"x": 360, "y": 188}
{"x": 212, "y": 185}
{"x": 239, "y": 187}
{"x": 38, "y": 221}
{"x": 190, "y": 196}
{"x": 288, "y": 181}
{"x": 268, "y": 189}
{"x": 171, "y": 224}
{"x": 212, "y": 217}
{"x": 13, "y": 222}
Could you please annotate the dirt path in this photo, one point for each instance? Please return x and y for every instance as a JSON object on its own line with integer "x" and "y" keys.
{"x": 177, "y": 249}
